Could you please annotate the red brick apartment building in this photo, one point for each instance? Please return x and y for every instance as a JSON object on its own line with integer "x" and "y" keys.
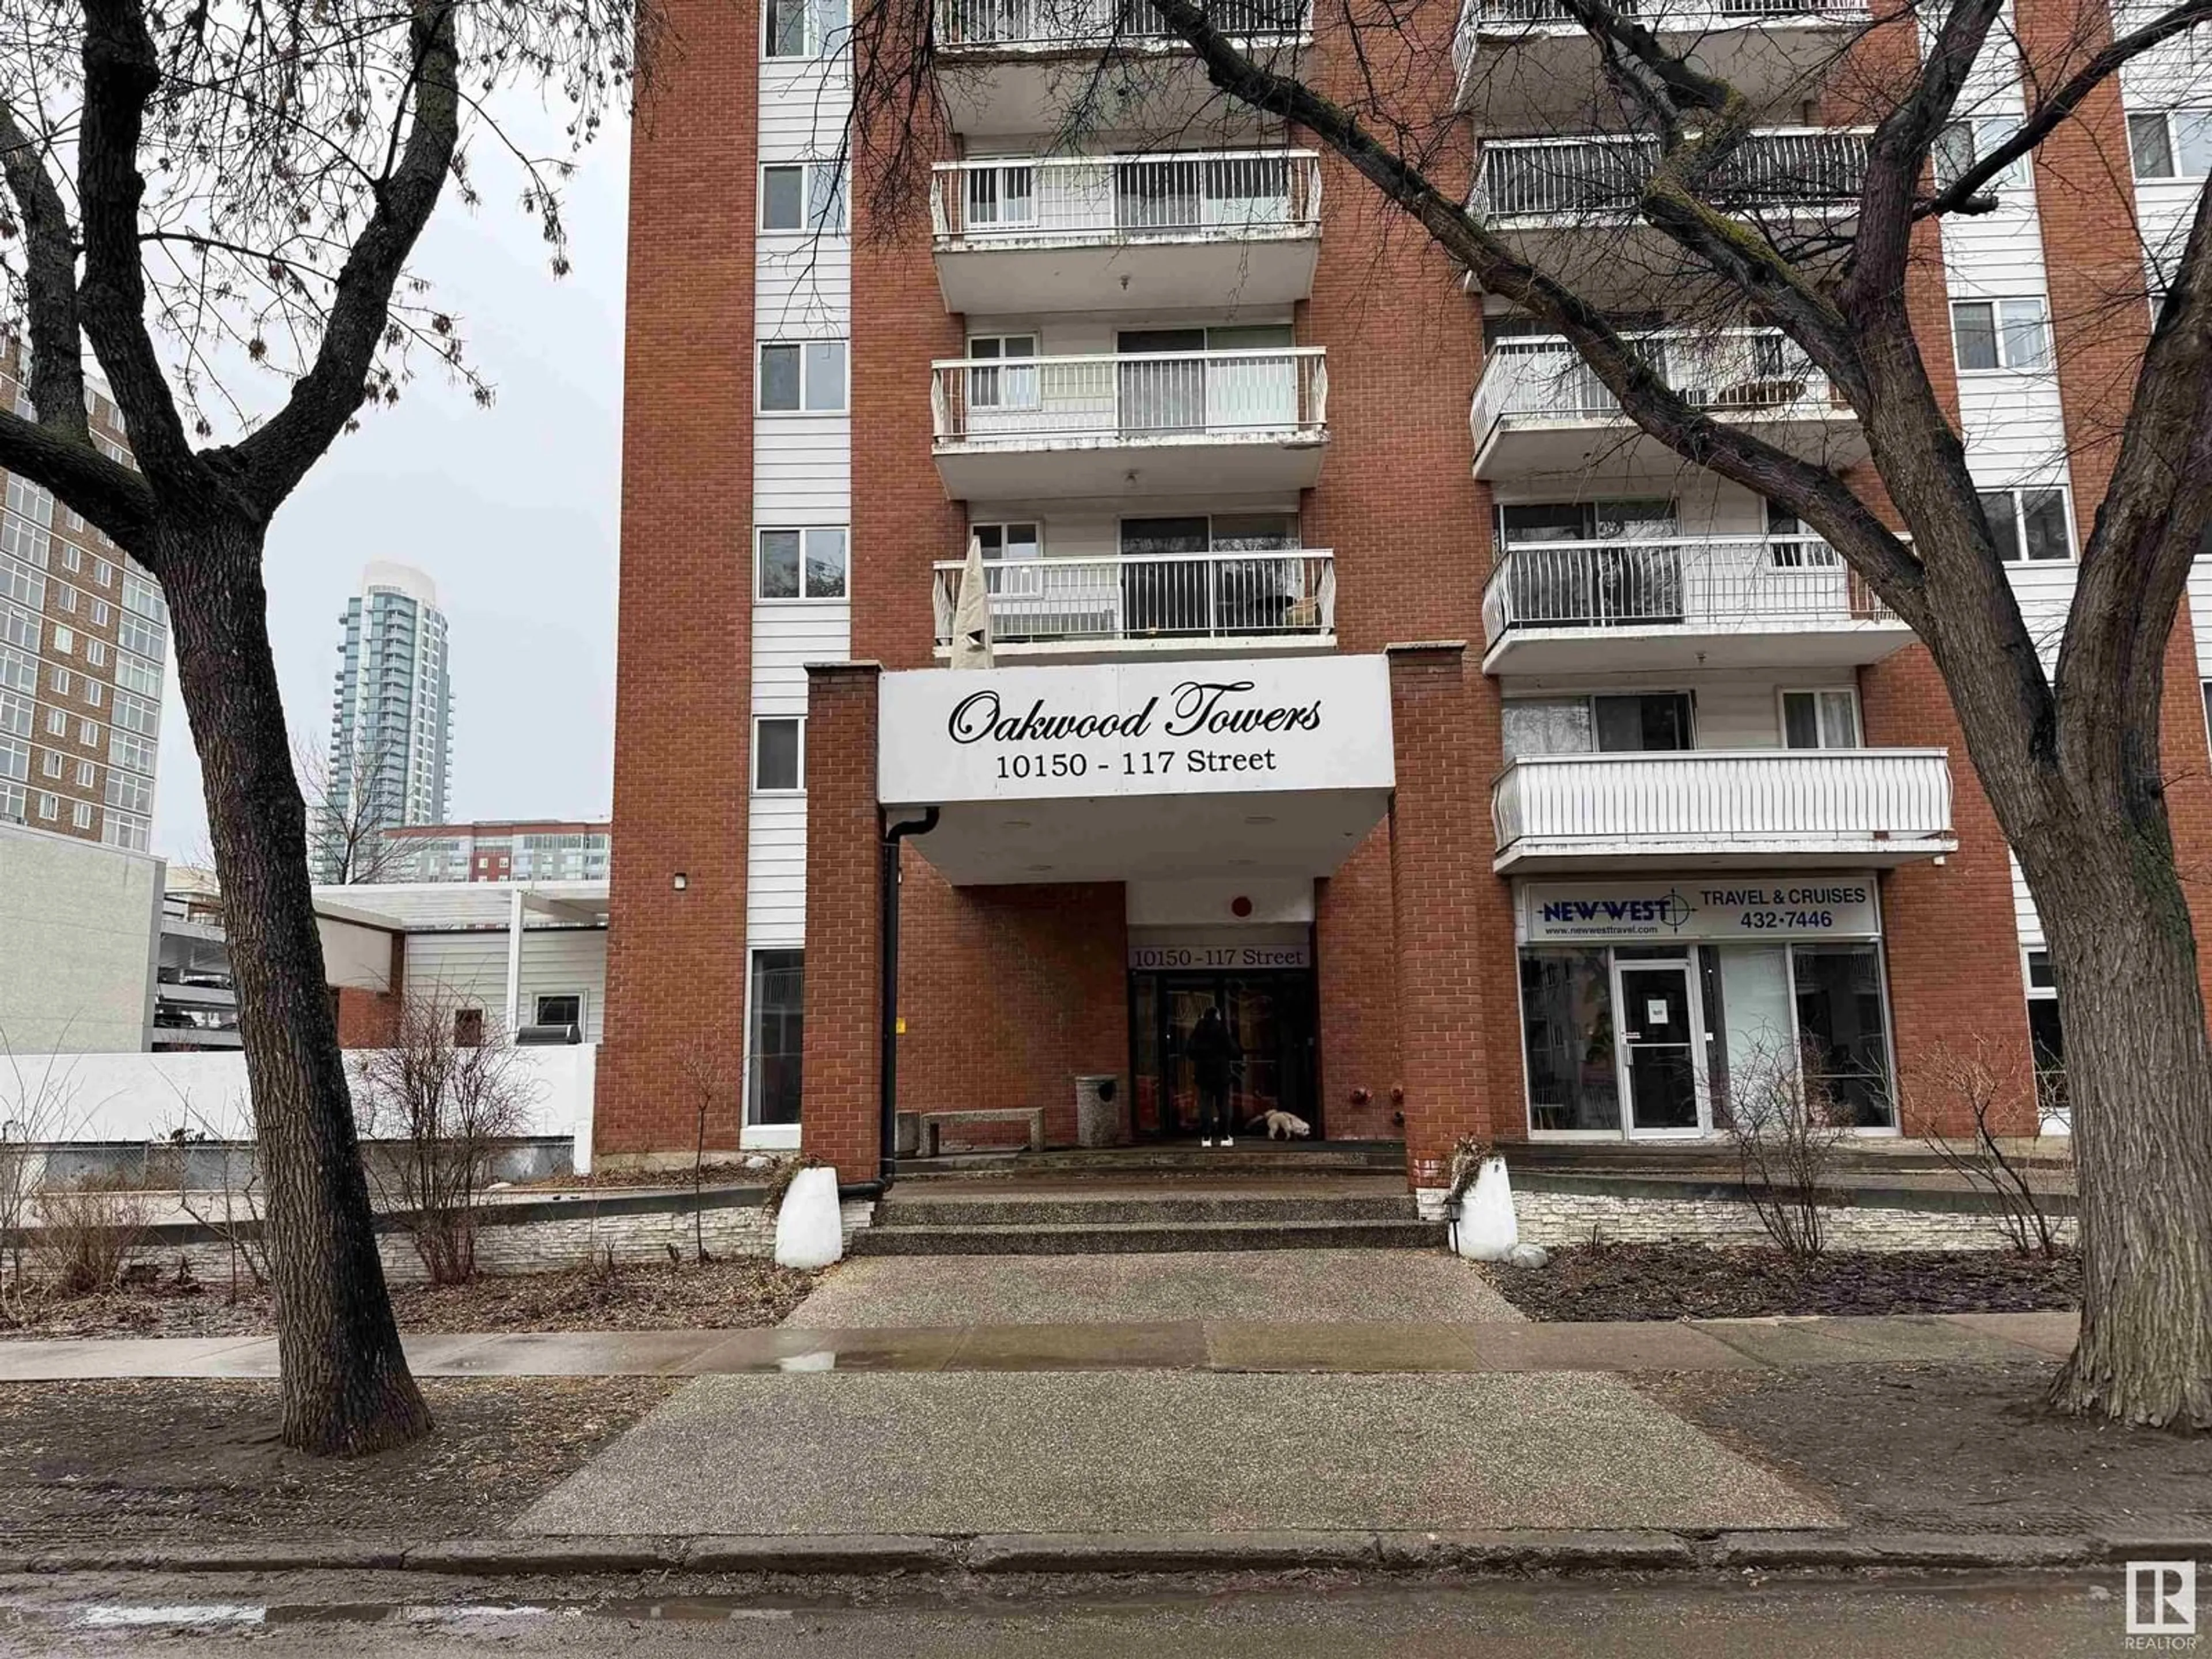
{"x": 1355, "y": 667}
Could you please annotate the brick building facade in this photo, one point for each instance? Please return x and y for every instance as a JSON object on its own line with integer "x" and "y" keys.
{"x": 1668, "y": 805}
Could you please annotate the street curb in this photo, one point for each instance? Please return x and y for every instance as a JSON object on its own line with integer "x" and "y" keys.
{"x": 1493, "y": 1553}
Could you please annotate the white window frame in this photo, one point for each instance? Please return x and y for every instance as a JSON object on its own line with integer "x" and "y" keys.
{"x": 1983, "y": 134}
{"x": 758, "y": 787}
{"x": 818, "y": 216}
{"x": 805, "y": 533}
{"x": 50, "y": 806}
{"x": 2020, "y": 519}
{"x": 1002, "y": 525}
{"x": 768, "y": 1136}
{"x": 1819, "y": 693}
{"x": 807, "y": 408}
{"x": 583, "y": 1004}
{"x": 1000, "y": 380}
{"x": 80, "y": 815}
{"x": 2166, "y": 118}
{"x": 818, "y": 42}
{"x": 2002, "y": 332}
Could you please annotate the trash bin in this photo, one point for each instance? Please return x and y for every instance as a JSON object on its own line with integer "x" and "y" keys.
{"x": 1101, "y": 1113}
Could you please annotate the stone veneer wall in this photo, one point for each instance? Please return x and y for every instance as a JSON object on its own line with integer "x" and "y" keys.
{"x": 1553, "y": 1219}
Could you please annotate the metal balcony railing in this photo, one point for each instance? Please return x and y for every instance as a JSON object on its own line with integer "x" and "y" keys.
{"x": 1114, "y": 198}
{"x": 1699, "y": 584}
{"x": 1067, "y": 24}
{"x": 1234, "y": 593}
{"x": 1134, "y": 398}
{"x": 1600, "y": 176}
{"x": 1748, "y": 371}
{"x": 1479, "y": 17}
{"x": 1711, "y": 797}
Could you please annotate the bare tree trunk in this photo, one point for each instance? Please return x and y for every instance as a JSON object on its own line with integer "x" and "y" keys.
{"x": 345, "y": 1383}
{"x": 2139, "y": 1075}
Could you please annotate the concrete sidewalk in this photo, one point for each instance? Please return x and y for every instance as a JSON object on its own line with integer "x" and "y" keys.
{"x": 1471, "y": 1348}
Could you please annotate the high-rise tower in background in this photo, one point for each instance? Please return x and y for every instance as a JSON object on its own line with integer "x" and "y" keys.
{"x": 84, "y": 638}
{"x": 391, "y": 717}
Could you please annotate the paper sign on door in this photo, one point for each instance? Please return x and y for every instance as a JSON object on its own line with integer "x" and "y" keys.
{"x": 1655, "y": 1011}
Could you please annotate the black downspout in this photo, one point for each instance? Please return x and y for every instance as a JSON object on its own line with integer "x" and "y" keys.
{"x": 889, "y": 900}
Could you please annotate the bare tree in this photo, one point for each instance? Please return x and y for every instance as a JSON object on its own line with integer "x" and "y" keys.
{"x": 240, "y": 188}
{"x": 2069, "y": 754}
{"x": 349, "y": 808}
{"x": 710, "y": 1072}
{"x": 446, "y": 1102}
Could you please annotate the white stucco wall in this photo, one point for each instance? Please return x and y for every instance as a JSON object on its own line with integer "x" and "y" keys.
{"x": 79, "y": 929}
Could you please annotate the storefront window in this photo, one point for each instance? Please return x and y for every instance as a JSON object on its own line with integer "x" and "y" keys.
{"x": 772, "y": 1045}
{"x": 1840, "y": 1022}
{"x": 1753, "y": 1026}
{"x": 1566, "y": 1004}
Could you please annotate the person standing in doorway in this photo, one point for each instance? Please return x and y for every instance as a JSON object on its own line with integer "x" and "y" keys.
{"x": 1214, "y": 1054}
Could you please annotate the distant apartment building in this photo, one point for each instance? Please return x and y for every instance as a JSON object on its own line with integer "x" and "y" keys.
{"x": 526, "y": 850}
{"x": 84, "y": 636}
{"x": 391, "y": 717}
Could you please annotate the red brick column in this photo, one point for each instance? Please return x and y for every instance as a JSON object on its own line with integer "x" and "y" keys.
{"x": 370, "y": 1019}
{"x": 840, "y": 1118}
{"x": 1449, "y": 997}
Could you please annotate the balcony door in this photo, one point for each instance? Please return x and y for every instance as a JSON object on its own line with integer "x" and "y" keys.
{"x": 1160, "y": 398}
{"x": 1172, "y": 582}
{"x": 1594, "y": 564}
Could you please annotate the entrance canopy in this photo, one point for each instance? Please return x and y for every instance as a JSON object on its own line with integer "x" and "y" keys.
{"x": 1113, "y": 771}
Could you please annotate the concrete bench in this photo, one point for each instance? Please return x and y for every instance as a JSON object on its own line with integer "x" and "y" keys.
{"x": 932, "y": 1124}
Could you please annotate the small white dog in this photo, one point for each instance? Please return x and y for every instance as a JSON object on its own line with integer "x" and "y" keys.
{"x": 1283, "y": 1125}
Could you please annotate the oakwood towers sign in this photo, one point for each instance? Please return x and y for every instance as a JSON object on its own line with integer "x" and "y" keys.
{"x": 1112, "y": 730}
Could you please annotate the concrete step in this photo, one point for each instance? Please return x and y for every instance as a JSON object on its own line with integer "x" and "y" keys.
{"x": 1258, "y": 1158}
{"x": 1146, "y": 1238}
{"x": 903, "y": 1209}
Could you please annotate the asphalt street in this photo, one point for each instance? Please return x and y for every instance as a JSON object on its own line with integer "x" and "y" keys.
{"x": 2051, "y": 1618}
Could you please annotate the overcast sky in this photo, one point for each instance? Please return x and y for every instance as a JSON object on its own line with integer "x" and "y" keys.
{"x": 511, "y": 510}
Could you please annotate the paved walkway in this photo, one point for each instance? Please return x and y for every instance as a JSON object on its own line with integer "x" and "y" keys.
{"x": 1216, "y": 1346}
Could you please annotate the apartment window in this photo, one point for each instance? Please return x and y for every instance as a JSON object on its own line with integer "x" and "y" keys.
{"x": 804, "y": 28}
{"x": 779, "y": 745}
{"x": 66, "y": 600}
{"x": 125, "y": 751}
{"x": 802, "y": 377}
{"x": 1963, "y": 143}
{"x": 2000, "y": 334}
{"x": 14, "y": 760}
{"x": 803, "y": 196}
{"x": 19, "y": 671}
{"x": 1821, "y": 720}
{"x": 94, "y": 692}
{"x": 1008, "y": 541}
{"x": 2170, "y": 144}
{"x": 87, "y": 733}
{"x": 58, "y": 721}
{"x": 136, "y": 674}
{"x": 2046, "y": 1040}
{"x": 559, "y": 1008}
{"x": 103, "y": 574}
{"x": 64, "y": 640}
{"x": 50, "y": 806}
{"x": 134, "y": 833}
{"x": 801, "y": 564}
{"x": 87, "y": 776}
{"x": 1615, "y": 723}
{"x": 95, "y": 652}
{"x": 775, "y": 1009}
{"x": 22, "y": 584}
{"x": 130, "y": 794}
{"x": 2028, "y": 525}
{"x": 50, "y": 764}
{"x": 80, "y": 815}
{"x": 146, "y": 638}
{"x": 993, "y": 387}
{"x": 63, "y": 682}
{"x": 72, "y": 558}
{"x": 15, "y": 716}
{"x": 101, "y": 613}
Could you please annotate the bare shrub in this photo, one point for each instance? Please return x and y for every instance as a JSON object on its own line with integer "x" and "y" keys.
{"x": 1788, "y": 1127}
{"x": 445, "y": 1099}
{"x": 37, "y": 1107}
{"x": 229, "y": 1208}
{"x": 88, "y": 1232}
{"x": 1957, "y": 1087}
{"x": 710, "y": 1075}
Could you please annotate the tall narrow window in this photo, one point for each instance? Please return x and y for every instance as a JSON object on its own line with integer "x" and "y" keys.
{"x": 773, "y": 1027}
{"x": 1843, "y": 1025}
{"x": 778, "y": 748}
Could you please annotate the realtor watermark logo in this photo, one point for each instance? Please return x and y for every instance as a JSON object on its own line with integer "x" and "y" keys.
{"x": 2161, "y": 1607}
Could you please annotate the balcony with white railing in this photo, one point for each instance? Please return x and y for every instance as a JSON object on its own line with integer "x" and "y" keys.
{"x": 1521, "y": 58}
{"x": 1540, "y": 412}
{"x": 1695, "y": 602}
{"x": 1117, "y": 424}
{"x": 1017, "y": 66}
{"x": 1234, "y": 602}
{"x": 1569, "y": 204}
{"x": 1105, "y": 233}
{"x": 1713, "y": 808}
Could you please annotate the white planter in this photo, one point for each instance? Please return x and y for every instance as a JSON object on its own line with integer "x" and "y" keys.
{"x": 1486, "y": 1228}
{"x": 809, "y": 1231}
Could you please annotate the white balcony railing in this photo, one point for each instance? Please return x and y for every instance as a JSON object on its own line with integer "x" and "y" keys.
{"x": 1700, "y": 584}
{"x": 1599, "y": 177}
{"x": 1282, "y": 391}
{"x": 1479, "y": 17}
{"x": 1746, "y": 371}
{"x": 1036, "y": 24}
{"x": 1118, "y": 198}
{"x": 1839, "y": 800}
{"x": 1231, "y": 594}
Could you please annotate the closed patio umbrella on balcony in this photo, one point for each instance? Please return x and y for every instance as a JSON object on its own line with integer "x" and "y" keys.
{"x": 971, "y": 613}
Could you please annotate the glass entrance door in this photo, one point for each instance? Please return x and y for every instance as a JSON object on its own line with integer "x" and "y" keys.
{"x": 1659, "y": 1067}
{"x": 1270, "y": 1014}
